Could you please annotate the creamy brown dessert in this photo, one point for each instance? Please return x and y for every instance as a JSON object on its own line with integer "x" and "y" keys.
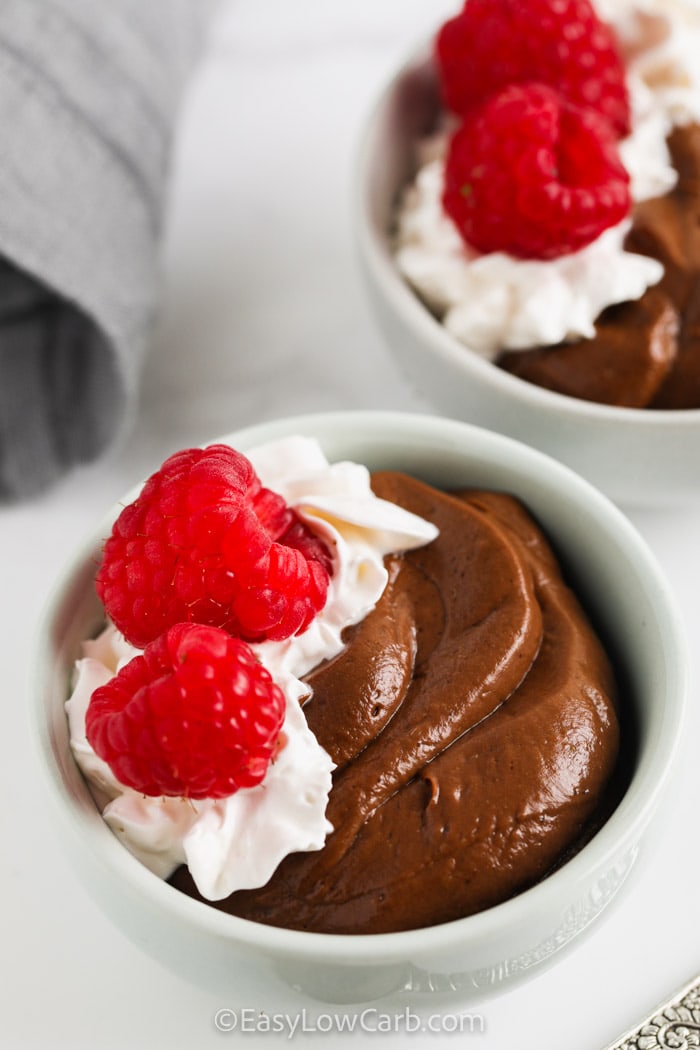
{"x": 472, "y": 718}
{"x": 645, "y": 354}
{"x": 492, "y": 229}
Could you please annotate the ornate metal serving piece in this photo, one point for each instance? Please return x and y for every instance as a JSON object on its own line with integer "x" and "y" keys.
{"x": 675, "y": 1025}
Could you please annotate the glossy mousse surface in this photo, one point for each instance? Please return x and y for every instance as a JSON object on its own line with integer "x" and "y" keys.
{"x": 472, "y": 718}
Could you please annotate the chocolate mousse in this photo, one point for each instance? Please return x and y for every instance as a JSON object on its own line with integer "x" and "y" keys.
{"x": 472, "y": 719}
{"x": 644, "y": 354}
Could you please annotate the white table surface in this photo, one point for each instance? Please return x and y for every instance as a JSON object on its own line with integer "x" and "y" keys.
{"x": 264, "y": 315}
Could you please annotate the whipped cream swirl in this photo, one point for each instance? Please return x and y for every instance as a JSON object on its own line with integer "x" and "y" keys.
{"x": 237, "y": 842}
{"x": 494, "y": 301}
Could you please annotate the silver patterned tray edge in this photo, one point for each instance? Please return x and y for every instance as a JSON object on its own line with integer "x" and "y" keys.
{"x": 673, "y": 1025}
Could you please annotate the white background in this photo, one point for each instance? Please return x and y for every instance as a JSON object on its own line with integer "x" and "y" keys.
{"x": 263, "y": 315}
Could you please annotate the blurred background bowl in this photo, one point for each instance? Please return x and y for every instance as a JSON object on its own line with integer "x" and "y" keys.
{"x": 627, "y": 597}
{"x": 638, "y": 457}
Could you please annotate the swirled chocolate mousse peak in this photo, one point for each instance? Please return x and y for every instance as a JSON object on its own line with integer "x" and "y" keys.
{"x": 552, "y": 222}
{"x": 341, "y": 702}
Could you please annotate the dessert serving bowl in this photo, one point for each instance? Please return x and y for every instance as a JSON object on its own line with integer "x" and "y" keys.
{"x": 624, "y": 592}
{"x": 636, "y": 456}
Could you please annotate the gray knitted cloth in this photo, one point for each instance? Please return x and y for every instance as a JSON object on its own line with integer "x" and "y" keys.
{"x": 89, "y": 92}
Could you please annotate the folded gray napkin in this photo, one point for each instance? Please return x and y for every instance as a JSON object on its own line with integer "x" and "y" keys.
{"x": 89, "y": 95}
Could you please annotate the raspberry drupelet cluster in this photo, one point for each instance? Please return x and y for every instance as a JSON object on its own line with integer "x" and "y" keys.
{"x": 539, "y": 89}
{"x": 197, "y": 715}
{"x": 202, "y": 563}
{"x": 206, "y": 543}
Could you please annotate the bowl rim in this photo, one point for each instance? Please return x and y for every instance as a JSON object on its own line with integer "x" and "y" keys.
{"x": 622, "y": 827}
{"x": 374, "y": 249}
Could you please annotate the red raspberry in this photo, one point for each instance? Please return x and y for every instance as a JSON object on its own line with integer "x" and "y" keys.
{"x": 533, "y": 176}
{"x": 204, "y": 542}
{"x": 493, "y": 43}
{"x": 196, "y": 715}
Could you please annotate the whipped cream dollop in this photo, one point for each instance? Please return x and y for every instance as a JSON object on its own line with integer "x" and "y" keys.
{"x": 237, "y": 842}
{"x": 494, "y": 301}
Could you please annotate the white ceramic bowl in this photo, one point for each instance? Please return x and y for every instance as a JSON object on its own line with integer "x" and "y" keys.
{"x": 637, "y": 457}
{"x": 616, "y": 575}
